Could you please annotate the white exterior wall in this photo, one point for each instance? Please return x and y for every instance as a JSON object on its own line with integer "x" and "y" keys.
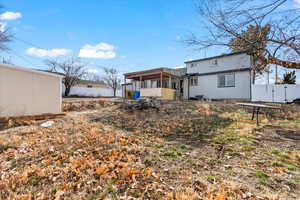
{"x": 232, "y": 62}
{"x": 208, "y": 86}
{"x": 275, "y": 93}
{"x": 25, "y": 92}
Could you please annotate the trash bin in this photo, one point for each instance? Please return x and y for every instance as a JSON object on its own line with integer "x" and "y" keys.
{"x": 136, "y": 95}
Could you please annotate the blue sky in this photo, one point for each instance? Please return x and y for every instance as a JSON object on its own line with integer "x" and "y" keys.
{"x": 129, "y": 35}
{"x": 133, "y": 34}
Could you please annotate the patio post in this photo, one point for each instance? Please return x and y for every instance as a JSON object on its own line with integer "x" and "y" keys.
{"x": 161, "y": 80}
{"x": 124, "y": 88}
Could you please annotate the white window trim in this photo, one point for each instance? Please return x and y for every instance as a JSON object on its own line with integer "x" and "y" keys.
{"x": 225, "y": 86}
{"x": 194, "y": 81}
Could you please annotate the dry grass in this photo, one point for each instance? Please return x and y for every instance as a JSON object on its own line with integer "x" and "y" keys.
{"x": 184, "y": 151}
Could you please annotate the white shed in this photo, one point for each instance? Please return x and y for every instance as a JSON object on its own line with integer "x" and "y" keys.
{"x": 29, "y": 92}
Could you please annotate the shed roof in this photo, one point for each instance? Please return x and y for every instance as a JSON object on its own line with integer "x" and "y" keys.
{"x": 29, "y": 70}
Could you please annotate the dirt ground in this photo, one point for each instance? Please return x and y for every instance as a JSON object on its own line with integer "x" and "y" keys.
{"x": 186, "y": 150}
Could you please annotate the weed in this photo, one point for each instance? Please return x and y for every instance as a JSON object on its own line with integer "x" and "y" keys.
{"x": 262, "y": 176}
{"x": 233, "y": 152}
{"x": 172, "y": 154}
{"x": 277, "y": 164}
{"x": 174, "y": 172}
{"x": 275, "y": 152}
{"x": 92, "y": 196}
{"x": 4, "y": 147}
{"x": 33, "y": 180}
{"x": 248, "y": 148}
{"x": 147, "y": 162}
{"x": 213, "y": 179}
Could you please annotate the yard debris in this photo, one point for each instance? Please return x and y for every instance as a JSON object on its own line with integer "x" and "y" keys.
{"x": 31, "y": 117}
{"x": 47, "y": 124}
{"x": 141, "y": 104}
{"x": 91, "y": 104}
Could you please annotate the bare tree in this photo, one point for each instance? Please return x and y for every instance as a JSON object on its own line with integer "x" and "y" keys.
{"x": 5, "y": 37}
{"x": 268, "y": 30}
{"x": 72, "y": 69}
{"x": 112, "y": 79}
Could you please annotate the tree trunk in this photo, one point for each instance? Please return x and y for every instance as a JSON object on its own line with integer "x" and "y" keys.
{"x": 115, "y": 89}
{"x": 276, "y": 61}
{"x": 67, "y": 91}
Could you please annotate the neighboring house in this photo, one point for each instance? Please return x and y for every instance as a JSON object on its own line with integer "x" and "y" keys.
{"x": 29, "y": 92}
{"x": 82, "y": 83}
{"x": 86, "y": 88}
{"x": 91, "y": 84}
{"x": 226, "y": 76}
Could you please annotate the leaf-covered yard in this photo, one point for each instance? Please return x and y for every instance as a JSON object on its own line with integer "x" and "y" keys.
{"x": 186, "y": 150}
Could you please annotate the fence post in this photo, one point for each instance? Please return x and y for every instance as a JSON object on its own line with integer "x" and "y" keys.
{"x": 285, "y": 94}
{"x": 273, "y": 91}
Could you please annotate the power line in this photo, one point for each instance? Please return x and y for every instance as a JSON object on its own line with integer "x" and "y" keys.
{"x": 28, "y": 43}
{"x": 21, "y": 57}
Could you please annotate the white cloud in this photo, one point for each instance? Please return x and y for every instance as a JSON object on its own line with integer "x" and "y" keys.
{"x": 50, "y": 53}
{"x": 10, "y": 15}
{"x": 179, "y": 67}
{"x": 93, "y": 71}
{"x": 2, "y": 26}
{"x": 100, "y": 51}
{"x": 297, "y": 3}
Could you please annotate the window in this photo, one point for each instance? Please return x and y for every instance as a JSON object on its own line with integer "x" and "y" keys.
{"x": 194, "y": 81}
{"x": 158, "y": 84}
{"x": 193, "y": 64}
{"x": 165, "y": 83}
{"x": 226, "y": 80}
{"x": 143, "y": 84}
{"x": 153, "y": 83}
{"x": 215, "y": 62}
{"x": 174, "y": 85}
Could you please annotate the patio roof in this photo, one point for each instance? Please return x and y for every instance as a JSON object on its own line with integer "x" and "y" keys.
{"x": 152, "y": 74}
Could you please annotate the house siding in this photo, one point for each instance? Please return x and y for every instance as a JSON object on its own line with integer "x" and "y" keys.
{"x": 208, "y": 86}
{"x": 233, "y": 62}
{"x": 209, "y": 70}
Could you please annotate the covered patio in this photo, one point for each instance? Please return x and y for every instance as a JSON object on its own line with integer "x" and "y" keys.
{"x": 159, "y": 82}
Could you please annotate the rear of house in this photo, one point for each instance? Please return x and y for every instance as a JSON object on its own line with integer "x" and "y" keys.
{"x": 28, "y": 92}
{"x": 164, "y": 83}
{"x": 220, "y": 77}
